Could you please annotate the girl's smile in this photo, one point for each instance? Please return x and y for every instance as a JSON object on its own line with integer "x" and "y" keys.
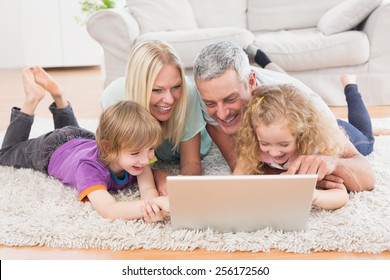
{"x": 276, "y": 141}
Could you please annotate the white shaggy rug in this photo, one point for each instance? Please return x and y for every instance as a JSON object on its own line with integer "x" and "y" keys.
{"x": 39, "y": 211}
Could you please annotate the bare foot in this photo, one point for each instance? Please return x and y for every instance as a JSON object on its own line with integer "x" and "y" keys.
{"x": 46, "y": 81}
{"x": 376, "y": 131}
{"x": 347, "y": 79}
{"x": 34, "y": 92}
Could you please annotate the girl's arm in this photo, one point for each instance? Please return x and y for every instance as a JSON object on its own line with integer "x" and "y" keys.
{"x": 239, "y": 170}
{"x": 330, "y": 199}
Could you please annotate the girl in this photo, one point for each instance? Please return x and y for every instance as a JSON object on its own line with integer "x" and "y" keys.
{"x": 280, "y": 124}
{"x": 155, "y": 79}
{"x": 125, "y": 140}
{"x": 358, "y": 128}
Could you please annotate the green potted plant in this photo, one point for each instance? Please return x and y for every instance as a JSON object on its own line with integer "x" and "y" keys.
{"x": 89, "y": 7}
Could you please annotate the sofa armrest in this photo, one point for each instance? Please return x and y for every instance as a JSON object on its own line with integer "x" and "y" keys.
{"x": 376, "y": 27}
{"x": 116, "y": 31}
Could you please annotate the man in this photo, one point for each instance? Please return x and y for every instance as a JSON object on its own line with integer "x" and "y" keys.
{"x": 225, "y": 81}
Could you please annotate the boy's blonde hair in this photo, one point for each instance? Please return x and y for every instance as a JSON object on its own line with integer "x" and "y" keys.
{"x": 315, "y": 133}
{"x": 146, "y": 60}
{"x": 126, "y": 127}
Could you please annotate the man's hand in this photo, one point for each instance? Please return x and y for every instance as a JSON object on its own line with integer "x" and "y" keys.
{"x": 323, "y": 166}
{"x": 313, "y": 164}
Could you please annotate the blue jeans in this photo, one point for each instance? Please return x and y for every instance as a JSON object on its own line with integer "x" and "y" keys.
{"x": 358, "y": 127}
{"x": 20, "y": 152}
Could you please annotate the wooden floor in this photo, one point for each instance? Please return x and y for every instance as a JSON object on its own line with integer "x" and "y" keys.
{"x": 83, "y": 87}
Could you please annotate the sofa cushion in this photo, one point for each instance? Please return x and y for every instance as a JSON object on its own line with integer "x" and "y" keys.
{"x": 298, "y": 50}
{"x": 219, "y": 13}
{"x": 346, "y": 15}
{"x": 286, "y": 14}
{"x": 189, "y": 43}
{"x": 162, "y": 15}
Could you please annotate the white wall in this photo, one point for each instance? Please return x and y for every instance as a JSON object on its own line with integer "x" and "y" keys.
{"x": 11, "y": 47}
{"x": 46, "y": 33}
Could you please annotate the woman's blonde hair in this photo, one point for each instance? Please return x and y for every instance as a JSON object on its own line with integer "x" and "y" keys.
{"x": 126, "y": 127}
{"x": 315, "y": 133}
{"x": 145, "y": 62}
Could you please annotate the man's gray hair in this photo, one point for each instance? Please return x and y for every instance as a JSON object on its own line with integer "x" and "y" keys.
{"x": 214, "y": 59}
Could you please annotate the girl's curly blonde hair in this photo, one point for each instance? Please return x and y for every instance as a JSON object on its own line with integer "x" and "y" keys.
{"x": 315, "y": 132}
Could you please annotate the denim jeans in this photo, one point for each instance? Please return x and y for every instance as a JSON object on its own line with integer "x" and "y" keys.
{"x": 20, "y": 152}
{"x": 358, "y": 127}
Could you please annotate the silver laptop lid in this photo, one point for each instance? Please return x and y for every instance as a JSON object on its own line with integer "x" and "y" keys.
{"x": 240, "y": 203}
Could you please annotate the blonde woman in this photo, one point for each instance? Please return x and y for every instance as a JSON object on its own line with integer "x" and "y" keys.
{"x": 155, "y": 79}
{"x": 281, "y": 124}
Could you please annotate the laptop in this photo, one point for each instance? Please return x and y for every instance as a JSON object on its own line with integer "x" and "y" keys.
{"x": 240, "y": 203}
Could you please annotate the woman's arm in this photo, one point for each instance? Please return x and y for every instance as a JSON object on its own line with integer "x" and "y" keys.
{"x": 225, "y": 144}
{"x": 190, "y": 163}
{"x": 160, "y": 179}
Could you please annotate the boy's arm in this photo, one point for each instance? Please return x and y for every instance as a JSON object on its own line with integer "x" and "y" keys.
{"x": 152, "y": 210}
{"x": 108, "y": 207}
{"x": 146, "y": 184}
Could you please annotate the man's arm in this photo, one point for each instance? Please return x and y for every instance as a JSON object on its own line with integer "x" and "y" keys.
{"x": 225, "y": 144}
{"x": 352, "y": 168}
{"x": 355, "y": 170}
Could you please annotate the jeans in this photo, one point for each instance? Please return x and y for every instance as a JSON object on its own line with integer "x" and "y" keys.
{"x": 358, "y": 127}
{"x": 20, "y": 152}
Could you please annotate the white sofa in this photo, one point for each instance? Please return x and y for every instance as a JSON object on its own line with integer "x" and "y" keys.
{"x": 313, "y": 40}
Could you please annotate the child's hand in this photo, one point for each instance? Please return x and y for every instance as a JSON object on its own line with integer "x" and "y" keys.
{"x": 155, "y": 209}
{"x": 315, "y": 197}
{"x": 162, "y": 202}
